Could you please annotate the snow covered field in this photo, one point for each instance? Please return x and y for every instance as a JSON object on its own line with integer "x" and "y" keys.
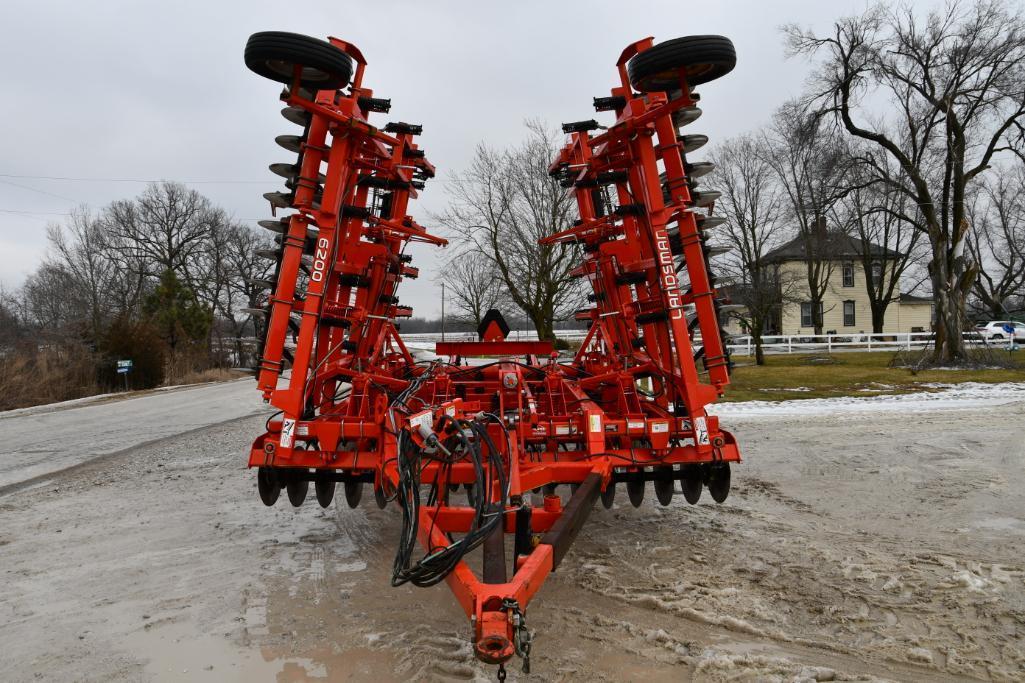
{"x": 866, "y": 538}
{"x": 965, "y": 396}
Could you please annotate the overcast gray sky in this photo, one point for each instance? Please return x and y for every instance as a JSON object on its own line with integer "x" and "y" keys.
{"x": 131, "y": 90}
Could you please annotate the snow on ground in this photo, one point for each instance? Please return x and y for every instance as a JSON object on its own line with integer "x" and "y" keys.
{"x": 964, "y": 396}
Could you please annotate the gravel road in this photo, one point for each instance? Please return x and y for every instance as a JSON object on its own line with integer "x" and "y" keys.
{"x": 858, "y": 544}
{"x": 46, "y": 439}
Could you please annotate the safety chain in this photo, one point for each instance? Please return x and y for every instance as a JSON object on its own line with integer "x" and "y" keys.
{"x": 522, "y": 638}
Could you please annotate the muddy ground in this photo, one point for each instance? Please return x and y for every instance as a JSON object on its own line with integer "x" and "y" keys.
{"x": 853, "y": 547}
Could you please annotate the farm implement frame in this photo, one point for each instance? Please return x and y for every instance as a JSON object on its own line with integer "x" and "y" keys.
{"x": 472, "y": 444}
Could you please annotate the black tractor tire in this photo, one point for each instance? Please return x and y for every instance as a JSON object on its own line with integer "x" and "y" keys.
{"x": 276, "y": 54}
{"x": 702, "y": 59}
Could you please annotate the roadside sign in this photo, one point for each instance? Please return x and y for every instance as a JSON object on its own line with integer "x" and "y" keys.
{"x": 1008, "y": 328}
{"x": 123, "y": 368}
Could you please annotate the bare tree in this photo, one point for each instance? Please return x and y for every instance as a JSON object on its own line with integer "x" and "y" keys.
{"x": 244, "y": 267}
{"x": 501, "y": 206}
{"x": 474, "y": 285}
{"x": 753, "y": 206}
{"x": 52, "y": 301}
{"x": 998, "y": 243}
{"x": 812, "y": 165}
{"x": 12, "y": 329}
{"x": 80, "y": 248}
{"x": 165, "y": 229}
{"x": 885, "y": 240}
{"x": 952, "y": 81}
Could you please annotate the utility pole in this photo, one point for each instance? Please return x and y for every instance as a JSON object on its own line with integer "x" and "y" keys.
{"x": 442, "y": 311}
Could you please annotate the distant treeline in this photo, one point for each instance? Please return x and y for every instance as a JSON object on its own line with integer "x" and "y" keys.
{"x": 163, "y": 280}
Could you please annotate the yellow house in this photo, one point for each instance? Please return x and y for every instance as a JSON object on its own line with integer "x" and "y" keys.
{"x": 845, "y": 307}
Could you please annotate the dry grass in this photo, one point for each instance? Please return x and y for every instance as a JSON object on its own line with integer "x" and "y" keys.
{"x": 209, "y": 375}
{"x": 32, "y": 376}
{"x": 846, "y": 374}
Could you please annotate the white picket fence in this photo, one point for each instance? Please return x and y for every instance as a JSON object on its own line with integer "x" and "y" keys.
{"x": 743, "y": 345}
{"x": 802, "y": 343}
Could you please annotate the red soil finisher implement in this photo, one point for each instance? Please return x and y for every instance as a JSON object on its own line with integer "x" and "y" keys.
{"x": 503, "y": 419}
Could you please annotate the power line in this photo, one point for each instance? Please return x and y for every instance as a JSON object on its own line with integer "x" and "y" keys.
{"x": 34, "y": 213}
{"x": 126, "y": 180}
{"x": 145, "y": 180}
{"x": 32, "y": 189}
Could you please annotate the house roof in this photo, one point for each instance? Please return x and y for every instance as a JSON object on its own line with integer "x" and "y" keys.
{"x": 912, "y": 299}
{"x": 837, "y": 245}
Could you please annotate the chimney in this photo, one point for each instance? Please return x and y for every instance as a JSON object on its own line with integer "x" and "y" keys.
{"x": 820, "y": 227}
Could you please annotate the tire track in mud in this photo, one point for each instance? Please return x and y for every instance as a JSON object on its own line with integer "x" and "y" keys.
{"x": 797, "y": 582}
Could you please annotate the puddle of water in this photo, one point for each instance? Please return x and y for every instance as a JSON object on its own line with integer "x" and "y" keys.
{"x": 177, "y": 652}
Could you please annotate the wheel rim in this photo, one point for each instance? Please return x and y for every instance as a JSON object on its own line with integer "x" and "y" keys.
{"x": 297, "y": 490}
{"x": 664, "y": 491}
{"x": 719, "y": 482}
{"x": 635, "y": 490}
{"x": 268, "y": 486}
{"x": 354, "y": 493}
{"x": 691, "y": 484}
{"x": 307, "y": 74}
{"x": 325, "y": 490}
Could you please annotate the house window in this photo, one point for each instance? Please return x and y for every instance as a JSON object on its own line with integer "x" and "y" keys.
{"x": 848, "y": 274}
{"x": 848, "y": 314}
{"x": 806, "y": 318}
{"x": 877, "y": 272}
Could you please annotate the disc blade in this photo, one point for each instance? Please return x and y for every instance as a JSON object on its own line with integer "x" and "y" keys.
{"x": 608, "y": 496}
{"x": 299, "y": 117}
{"x": 279, "y": 226}
{"x": 635, "y": 490}
{"x": 692, "y": 143}
{"x": 325, "y": 490}
{"x": 353, "y": 493}
{"x": 664, "y": 491}
{"x": 293, "y": 143}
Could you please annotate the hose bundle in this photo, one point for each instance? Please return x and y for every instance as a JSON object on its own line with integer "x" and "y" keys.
{"x": 458, "y": 440}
